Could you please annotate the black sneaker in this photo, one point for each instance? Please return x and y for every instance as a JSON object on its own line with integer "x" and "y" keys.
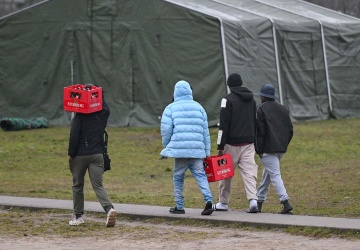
{"x": 259, "y": 203}
{"x": 208, "y": 209}
{"x": 175, "y": 210}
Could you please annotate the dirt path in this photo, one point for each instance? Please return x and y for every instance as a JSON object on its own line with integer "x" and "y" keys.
{"x": 138, "y": 235}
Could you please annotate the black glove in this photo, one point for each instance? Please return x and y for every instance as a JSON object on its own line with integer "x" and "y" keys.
{"x": 220, "y": 152}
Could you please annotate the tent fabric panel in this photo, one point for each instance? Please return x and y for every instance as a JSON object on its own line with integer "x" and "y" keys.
{"x": 301, "y": 60}
{"x": 303, "y": 74}
{"x": 242, "y": 31}
{"x": 193, "y": 53}
{"x": 28, "y": 81}
{"x": 126, "y": 54}
{"x": 343, "y": 46}
{"x": 149, "y": 42}
{"x": 96, "y": 66}
{"x": 244, "y": 45}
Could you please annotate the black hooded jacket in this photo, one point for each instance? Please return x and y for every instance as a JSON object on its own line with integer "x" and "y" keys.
{"x": 86, "y": 134}
{"x": 237, "y": 118}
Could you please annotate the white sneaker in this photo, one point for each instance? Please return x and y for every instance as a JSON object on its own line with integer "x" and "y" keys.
{"x": 253, "y": 208}
{"x": 253, "y": 203}
{"x": 76, "y": 222}
{"x": 220, "y": 207}
{"x": 111, "y": 218}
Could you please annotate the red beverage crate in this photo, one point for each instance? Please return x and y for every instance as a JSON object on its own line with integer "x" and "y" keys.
{"x": 82, "y": 98}
{"x": 218, "y": 167}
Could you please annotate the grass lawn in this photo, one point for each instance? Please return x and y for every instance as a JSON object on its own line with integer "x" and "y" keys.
{"x": 321, "y": 170}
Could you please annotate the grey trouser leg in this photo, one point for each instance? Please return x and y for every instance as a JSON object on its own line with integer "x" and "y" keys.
{"x": 78, "y": 167}
{"x": 271, "y": 174}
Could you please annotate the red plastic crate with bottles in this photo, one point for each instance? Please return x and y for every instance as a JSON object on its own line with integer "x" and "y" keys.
{"x": 218, "y": 167}
{"x": 83, "y": 98}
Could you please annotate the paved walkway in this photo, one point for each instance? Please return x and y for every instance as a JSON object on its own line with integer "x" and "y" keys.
{"x": 259, "y": 219}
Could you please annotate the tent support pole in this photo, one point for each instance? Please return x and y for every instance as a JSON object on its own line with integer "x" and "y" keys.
{"x": 326, "y": 67}
{"x": 224, "y": 54}
{"x": 275, "y": 45}
{"x": 323, "y": 46}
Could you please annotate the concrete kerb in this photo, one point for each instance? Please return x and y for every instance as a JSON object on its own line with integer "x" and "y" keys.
{"x": 233, "y": 217}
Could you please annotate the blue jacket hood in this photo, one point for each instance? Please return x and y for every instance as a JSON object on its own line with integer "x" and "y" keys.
{"x": 182, "y": 91}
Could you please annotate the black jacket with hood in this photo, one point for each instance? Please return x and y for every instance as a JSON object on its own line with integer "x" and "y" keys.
{"x": 237, "y": 118}
{"x": 85, "y": 132}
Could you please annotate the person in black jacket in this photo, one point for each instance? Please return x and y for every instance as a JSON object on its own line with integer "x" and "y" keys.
{"x": 274, "y": 131}
{"x": 86, "y": 153}
{"x": 236, "y": 137}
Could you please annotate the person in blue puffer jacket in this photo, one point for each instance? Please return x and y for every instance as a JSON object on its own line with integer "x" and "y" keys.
{"x": 186, "y": 138}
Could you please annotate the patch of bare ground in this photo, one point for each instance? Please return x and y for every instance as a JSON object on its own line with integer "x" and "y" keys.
{"x": 145, "y": 235}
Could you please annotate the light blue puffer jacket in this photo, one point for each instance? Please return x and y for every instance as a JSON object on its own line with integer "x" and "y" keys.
{"x": 184, "y": 126}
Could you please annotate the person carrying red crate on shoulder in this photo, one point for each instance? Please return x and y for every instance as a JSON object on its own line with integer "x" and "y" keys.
{"x": 85, "y": 153}
{"x": 236, "y": 137}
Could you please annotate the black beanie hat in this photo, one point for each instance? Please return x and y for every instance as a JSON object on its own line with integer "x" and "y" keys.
{"x": 234, "y": 80}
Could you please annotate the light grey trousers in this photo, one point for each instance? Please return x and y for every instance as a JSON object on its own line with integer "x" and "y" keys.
{"x": 78, "y": 167}
{"x": 271, "y": 174}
